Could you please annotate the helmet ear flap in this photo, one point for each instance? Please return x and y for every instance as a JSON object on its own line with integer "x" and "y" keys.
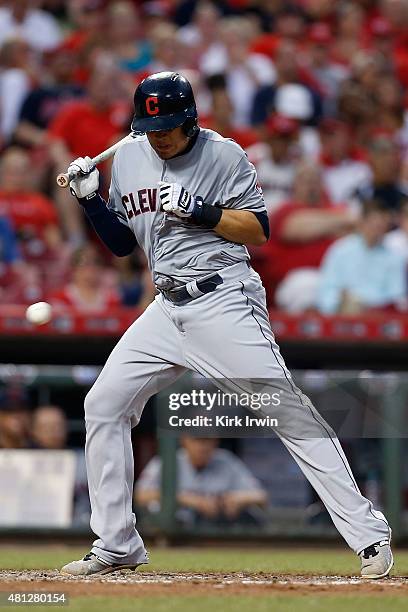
{"x": 190, "y": 127}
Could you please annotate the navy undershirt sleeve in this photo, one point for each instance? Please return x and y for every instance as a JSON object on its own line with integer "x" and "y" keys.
{"x": 264, "y": 221}
{"x": 118, "y": 237}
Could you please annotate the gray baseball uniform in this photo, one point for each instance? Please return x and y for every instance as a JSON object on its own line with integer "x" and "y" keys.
{"x": 223, "y": 334}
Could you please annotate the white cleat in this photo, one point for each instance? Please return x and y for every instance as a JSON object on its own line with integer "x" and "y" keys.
{"x": 376, "y": 560}
{"x": 91, "y": 564}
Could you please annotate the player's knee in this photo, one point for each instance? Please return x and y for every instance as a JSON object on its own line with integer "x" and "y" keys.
{"x": 103, "y": 404}
{"x": 91, "y": 404}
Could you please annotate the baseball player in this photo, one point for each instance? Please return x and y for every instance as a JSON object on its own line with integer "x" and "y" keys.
{"x": 189, "y": 198}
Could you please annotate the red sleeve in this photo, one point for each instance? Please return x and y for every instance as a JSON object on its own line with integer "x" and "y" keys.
{"x": 46, "y": 210}
{"x": 279, "y": 218}
{"x": 265, "y": 44}
{"x": 60, "y": 298}
{"x": 61, "y": 126}
{"x": 113, "y": 300}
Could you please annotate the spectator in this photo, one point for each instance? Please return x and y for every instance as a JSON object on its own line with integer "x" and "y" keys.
{"x": 96, "y": 121}
{"x": 14, "y": 84}
{"x": 327, "y": 73}
{"x": 344, "y": 168}
{"x": 245, "y": 71}
{"x": 88, "y": 36}
{"x": 275, "y": 160}
{"x": 385, "y": 164}
{"x": 397, "y": 239}
{"x": 301, "y": 232}
{"x": 87, "y": 127}
{"x": 403, "y": 179}
{"x": 307, "y": 105}
{"x": 221, "y": 119}
{"x": 49, "y": 427}
{"x": 36, "y": 223}
{"x": 368, "y": 69}
{"x": 290, "y": 22}
{"x": 295, "y": 101}
{"x": 357, "y": 102}
{"x": 279, "y": 21}
{"x": 396, "y": 11}
{"x": 44, "y": 102}
{"x": 21, "y": 18}
{"x": 349, "y": 37}
{"x": 357, "y": 108}
{"x": 32, "y": 214}
{"x": 131, "y": 51}
{"x": 168, "y": 50}
{"x": 50, "y": 431}
{"x": 10, "y": 259}
{"x": 9, "y": 251}
{"x": 201, "y": 36}
{"x": 135, "y": 282}
{"x": 391, "y": 116}
{"x": 321, "y": 10}
{"x": 212, "y": 484}
{"x": 390, "y": 98}
{"x": 358, "y": 272}
{"x": 12, "y": 269}
{"x": 14, "y": 417}
{"x": 382, "y": 41}
{"x": 55, "y": 7}
{"x": 87, "y": 291}
{"x": 154, "y": 12}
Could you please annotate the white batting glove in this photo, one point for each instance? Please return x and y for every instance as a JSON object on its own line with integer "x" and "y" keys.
{"x": 87, "y": 181}
{"x": 176, "y": 200}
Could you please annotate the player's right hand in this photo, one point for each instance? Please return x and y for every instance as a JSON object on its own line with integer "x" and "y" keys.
{"x": 86, "y": 181}
{"x": 176, "y": 200}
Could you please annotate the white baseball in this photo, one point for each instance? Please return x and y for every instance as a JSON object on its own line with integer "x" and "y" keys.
{"x": 39, "y": 313}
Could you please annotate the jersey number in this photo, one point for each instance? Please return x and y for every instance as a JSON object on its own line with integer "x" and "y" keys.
{"x": 152, "y": 105}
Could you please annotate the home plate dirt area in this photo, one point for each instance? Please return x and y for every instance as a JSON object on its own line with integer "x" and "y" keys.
{"x": 128, "y": 583}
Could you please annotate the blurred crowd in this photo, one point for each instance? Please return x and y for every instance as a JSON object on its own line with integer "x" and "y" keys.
{"x": 44, "y": 428}
{"x": 315, "y": 91}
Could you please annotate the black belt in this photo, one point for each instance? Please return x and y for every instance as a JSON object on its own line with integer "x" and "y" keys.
{"x": 182, "y": 295}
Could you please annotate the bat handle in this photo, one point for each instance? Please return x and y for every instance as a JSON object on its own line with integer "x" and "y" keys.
{"x": 63, "y": 180}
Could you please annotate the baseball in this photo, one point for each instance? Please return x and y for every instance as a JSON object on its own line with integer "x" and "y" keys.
{"x": 39, "y": 313}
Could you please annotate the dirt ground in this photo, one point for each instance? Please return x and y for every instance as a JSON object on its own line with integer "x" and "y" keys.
{"x": 160, "y": 583}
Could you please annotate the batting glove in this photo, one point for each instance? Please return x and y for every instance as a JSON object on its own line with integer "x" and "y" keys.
{"x": 176, "y": 200}
{"x": 86, "y": 181}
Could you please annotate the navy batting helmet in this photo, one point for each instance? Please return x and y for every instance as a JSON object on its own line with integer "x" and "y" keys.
{"x": 164, "y": 101}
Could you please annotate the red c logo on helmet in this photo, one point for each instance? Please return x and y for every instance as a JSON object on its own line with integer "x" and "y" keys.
{"x": 152, "y": 105}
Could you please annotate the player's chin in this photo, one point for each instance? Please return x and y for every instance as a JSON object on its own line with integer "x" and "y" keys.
{"x": 165, "y": 153}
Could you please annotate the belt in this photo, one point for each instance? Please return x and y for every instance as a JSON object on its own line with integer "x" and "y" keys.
{"x": 193, "y": 290}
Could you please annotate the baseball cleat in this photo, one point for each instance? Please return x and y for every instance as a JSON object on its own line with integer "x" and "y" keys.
{"x": 92, "y": 564}
{"x": 376, "y": 560}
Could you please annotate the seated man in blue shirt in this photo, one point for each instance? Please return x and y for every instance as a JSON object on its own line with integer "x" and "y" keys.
{"x": 213, "y": 484}
{"x": 9, "y": 251}
{"x": 359, "y": 273}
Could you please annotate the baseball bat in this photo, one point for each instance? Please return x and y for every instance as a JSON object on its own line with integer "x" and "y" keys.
{"x": 63, "y": 180}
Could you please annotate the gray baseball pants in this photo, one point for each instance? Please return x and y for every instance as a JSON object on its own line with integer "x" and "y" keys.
{"x": 223, "y": 334}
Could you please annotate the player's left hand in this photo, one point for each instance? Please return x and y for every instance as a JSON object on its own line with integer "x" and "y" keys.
{"x": 176, "y": 200}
